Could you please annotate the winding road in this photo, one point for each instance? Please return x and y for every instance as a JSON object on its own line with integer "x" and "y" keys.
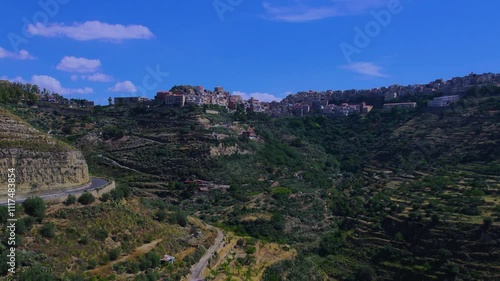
{"x": 198, "y": 268}
{"x": 95, "y": 183}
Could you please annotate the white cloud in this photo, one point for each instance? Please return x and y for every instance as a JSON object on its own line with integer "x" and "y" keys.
{"x": 304, "y": 10}
{"x": 49, "y": 83}
{"x": 91, "y": 30}
{"x": 52, "y": 84}
{"x": 259, "y": 96}
{"x": 96, "y": 77}
{"x": 21, "y": 55}
{"x": 15, "y": 79}
{"x": 125, "y": 87}
{"x": 80, "y": 65}
{"x": 365, "y": 68}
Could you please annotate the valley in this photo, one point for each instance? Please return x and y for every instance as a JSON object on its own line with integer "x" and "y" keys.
{"x": 398, "y": 195}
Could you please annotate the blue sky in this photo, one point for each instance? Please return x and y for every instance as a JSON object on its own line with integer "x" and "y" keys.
{"x": 261, "y": 48}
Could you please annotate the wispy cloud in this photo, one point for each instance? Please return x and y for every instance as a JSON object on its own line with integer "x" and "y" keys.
{"x": 365, "y": 68}
{"x": 124, "y": 87}
{"x": 21, "y": 55}
{"x": 99, "y": 77}
{"x": 52, "y": 84}
{"x": 304, "y": 10}
{"x": 257, "y": 95}
{"x": 91, "y": 30}
{"x": 80, "y": 65}
{"x": 96, "y": 77}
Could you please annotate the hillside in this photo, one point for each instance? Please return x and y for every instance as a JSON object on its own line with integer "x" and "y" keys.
{"x": 42, "y": 163}
{"x": 400, "y": 195}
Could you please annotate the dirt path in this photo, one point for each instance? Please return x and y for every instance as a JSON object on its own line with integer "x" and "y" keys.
{"x": 120, "y": 165}
{"x": 139, "y": 251}
{"x": 197, "y": 269}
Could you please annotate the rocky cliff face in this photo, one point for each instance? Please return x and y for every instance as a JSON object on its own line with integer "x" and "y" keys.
{"x": 41, "y": 162}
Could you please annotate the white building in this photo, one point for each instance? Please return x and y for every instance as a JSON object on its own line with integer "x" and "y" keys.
{"x": 443, "y": 101}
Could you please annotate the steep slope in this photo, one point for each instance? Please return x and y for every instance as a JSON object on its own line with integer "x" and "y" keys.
{"x": 467, "y": 134}
{"x": 41, "y": 162}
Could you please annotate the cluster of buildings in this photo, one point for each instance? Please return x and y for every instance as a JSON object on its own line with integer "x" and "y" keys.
{"x": 452, "y": 90}
{"x": 179, "y": 96}
{"x": 314, "y": 102}
{"x": 345, "y": 109}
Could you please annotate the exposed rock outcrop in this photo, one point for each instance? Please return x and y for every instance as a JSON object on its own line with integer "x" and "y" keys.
{"x": 41, "y": 162}
{"x": 222, "y": 150}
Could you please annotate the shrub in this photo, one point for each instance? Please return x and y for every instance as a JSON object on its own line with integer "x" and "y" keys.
{"x": 101, "y": 234}
{"x": 399, "y": 237}
{"x": 161, "y": 215}
{"x": 48, "y": 230}
{"x": 152, "y": 275}
{"x": 21, "y": 227}
{"x": 92, "y": 263}
{"x": 106, "y": 197}
{"x": 70, "y": 200}
{"x": 28, "y": 222}
{"x": 364, "y": 273}
{"x": 487, "y": 223}
{"x": 144, "y": 263}
{"x": 84, "y": 240}
{"x": 330, "y": 243}
{"x": 250, "y": 250}
{"x": 4, "y": 214}
{"x": 180, "y": 218}
{"x": 74, "y": 277}
{"x": 114, "y": 254}
{"x": 36, "y": 273}
{"x": 125, "y": 190}
{"x": 133, "y": 267}
{"x": 34, "y": 206}
{"x": 240, "y": 242}
{"x": 86, "y": 198}
{"x": 154, "y": 258}
{"x": 68, "y": 130}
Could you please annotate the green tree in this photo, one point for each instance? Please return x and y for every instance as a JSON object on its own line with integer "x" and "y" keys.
{"x": 331, "y": 243}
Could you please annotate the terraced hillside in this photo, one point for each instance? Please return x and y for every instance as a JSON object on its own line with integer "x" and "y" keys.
{"x": 401, "y": 195}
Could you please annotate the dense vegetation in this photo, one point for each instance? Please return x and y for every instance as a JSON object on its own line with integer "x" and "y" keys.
{"x": 18, "y": 92}
{"x": 400, "y": 195}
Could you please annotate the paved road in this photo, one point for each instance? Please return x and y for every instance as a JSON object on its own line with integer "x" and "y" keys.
{"x": 95, "y": 184}
{"x": 198, "y": 268}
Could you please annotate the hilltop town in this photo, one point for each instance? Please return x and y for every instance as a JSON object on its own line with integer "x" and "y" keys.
{"x": 331, "y": 102}
{"x": 439, "y": 94}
